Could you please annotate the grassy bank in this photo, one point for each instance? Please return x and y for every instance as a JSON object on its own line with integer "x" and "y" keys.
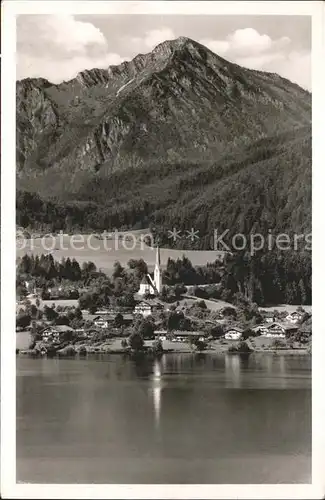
{"x": 258, "y": 345}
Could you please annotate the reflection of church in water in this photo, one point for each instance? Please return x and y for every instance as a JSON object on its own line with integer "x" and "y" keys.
{"x": 157, "y": 386}
{"x": 149, "y": 285}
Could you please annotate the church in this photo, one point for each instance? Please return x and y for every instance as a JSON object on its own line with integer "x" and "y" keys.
{"x": 149, "y": 286}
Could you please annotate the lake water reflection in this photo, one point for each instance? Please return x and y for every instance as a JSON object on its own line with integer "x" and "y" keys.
{"x": 183, "y": 419}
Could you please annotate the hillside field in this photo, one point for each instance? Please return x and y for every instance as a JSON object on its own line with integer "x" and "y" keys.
{"x": 105, "y": 254}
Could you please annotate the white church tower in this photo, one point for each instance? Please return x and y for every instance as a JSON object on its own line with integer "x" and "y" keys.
{"x": 157, "y": 272}
{"x": 152, "y": 286}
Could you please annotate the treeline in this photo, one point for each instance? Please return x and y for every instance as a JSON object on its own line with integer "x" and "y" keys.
{"x": 182, "y": 271}
{"x": 44, "y": 266}
{"x": 275, "y": 277}
{"x": 38, "y": 214}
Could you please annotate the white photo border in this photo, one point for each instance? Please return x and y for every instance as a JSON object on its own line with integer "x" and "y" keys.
{"x": 9, "y": 488}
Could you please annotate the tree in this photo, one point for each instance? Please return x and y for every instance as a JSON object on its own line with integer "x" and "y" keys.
{"x": 179, "y": 290}
{"x": 139, "y": 266}
{"x": 75, "y": 270}
{"x": 278, "y": 344}
{"x": 164, "y": 294}
{"x": 126, "y": 300}
{"x": 88, "y": 268}
{"x": 92, "y": 309}
{"x": 136, "y": 341}
{"x": 119, "y": 321}
{"x": 145, "y": 327}
{"x": 25, "y": 264}
{"x": 157, "y": 347}
{"x": 215, "y": 331}
{"x": 118, "y": 270}
{"x": 21, "y": 291}
{"x": 89, "y": 300}
{"x": 124, "y": 343}
{"x": 33, "y": 311}
{"x": 50, "y": 313}
{"x": 229, "y": 312}
{"x": 248, "y": 332}
{"x": 62, "y": 320}
{"x": 200, "y": 344}
{"x": 302, "y": 290}
{"x": 78, "y": 313}
{"x": 45, "y": 295}
{"x": 23, "y": 320}
{"x": 240, "y": 347}
{"x": 174, "y": 319}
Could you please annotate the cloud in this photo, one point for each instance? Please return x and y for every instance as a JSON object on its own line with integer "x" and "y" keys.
{"x": 254, "y": 50}
{"x": 154, "y": 37}
{"x": 58, "y": 47}
{"x": 151, "y": 39}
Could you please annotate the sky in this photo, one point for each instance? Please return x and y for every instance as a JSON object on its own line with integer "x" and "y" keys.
{"x": 57, "y": 47}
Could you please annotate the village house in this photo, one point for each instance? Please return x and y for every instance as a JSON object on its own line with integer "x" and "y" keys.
{"x": 269, "y": 316}
{"x": 295, "y": 317}
{"x": 279, "y": 330}
{"x": 186, "y": 336}
{"x": 53, "y": 333}
{"x": 233, "y": 333}
{"x": 103, "y": 320}
{"x": 61, "y": 292}
{"x": 80, "y": 332}
{"x": 106, "y": 320}
{"x": 260, "y": 329}
{"x": 143, "y": 308}
{"x": 161, "y": 334}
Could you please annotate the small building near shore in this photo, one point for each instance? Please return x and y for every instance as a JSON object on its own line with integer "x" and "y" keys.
{"x": 233, "y": 333}
{"x": 54, "y": 333}
{"x": 260, "y": 329}
{"x": 161, "y": 334}
{"x": 187, "y": 336}
{"x": 279, "y": 330}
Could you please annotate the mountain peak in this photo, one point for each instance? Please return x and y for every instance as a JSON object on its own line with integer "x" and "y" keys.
{"x": 175, "y": 44}
{"x": 181, "y": 41}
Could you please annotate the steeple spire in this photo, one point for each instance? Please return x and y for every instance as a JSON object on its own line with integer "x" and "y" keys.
{"x": 157, "y": 256}
{"x": 157, "y": 272}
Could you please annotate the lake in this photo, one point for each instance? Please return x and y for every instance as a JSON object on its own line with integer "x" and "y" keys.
{"x": 184, "y": 419}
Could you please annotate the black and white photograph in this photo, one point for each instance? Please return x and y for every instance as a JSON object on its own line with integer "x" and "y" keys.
{"x": 162, "y": 171}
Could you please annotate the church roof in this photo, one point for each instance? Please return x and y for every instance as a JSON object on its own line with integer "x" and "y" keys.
{"x": 145, "y": 280}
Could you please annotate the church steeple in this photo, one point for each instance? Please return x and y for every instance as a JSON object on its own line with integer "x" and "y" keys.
{"x": 157, "y": 256}
{"x": 157, "y": 273}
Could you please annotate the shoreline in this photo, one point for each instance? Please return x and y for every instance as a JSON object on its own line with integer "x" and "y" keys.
{"x": 102, "y": 351}
{"x": 84, "y": 347}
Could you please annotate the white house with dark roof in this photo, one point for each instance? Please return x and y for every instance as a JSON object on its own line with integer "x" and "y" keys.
{"x": 143, "y": 308}
{"x": 234, "y": 333}
{"x": 53, "y": 333}
{"x": 280, "y": 330}
{"x": 295, "y": 317}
